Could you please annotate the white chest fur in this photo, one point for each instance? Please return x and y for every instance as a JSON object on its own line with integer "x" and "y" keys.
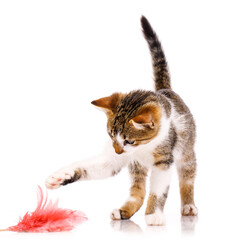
{"x": 144, "y": 153}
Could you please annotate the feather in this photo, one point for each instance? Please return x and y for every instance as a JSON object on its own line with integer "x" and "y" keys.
{"x": 48, "y": 217}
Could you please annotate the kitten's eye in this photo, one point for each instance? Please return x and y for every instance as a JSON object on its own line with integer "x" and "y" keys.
{"x": 128, "y": 142}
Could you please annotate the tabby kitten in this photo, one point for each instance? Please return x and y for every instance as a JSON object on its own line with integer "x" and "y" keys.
{"x": 149, "y": 131}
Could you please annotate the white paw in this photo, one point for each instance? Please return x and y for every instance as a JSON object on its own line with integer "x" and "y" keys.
{"x": 115, "y": 215}
{"x": 56, "y": 179}
{"x": 189, "y": 210}
{"x": 155, "y": 219}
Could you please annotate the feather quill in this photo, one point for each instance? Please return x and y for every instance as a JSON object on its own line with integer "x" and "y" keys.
{"x": 48, "y": 217}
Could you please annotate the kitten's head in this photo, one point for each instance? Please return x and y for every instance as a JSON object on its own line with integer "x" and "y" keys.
{"x": 133, "y": 118}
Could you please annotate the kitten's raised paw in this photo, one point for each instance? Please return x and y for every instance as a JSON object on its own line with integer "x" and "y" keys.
{"x": 58, "y": 178}
{"x": 189, "y": 210}
{"x": 155, "y": 219}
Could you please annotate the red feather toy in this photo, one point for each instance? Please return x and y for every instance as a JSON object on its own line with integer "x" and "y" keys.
{"x": 48, "y": 217}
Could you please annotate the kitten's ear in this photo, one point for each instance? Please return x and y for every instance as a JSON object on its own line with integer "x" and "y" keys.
{"x": 108, "y": 104}
{"x": 145, "y": 119}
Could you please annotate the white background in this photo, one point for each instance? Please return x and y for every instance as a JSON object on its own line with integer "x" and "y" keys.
{"x": 58, "y": 56}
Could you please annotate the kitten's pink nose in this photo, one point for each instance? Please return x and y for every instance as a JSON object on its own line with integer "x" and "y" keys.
{"x": 118, "y": 148}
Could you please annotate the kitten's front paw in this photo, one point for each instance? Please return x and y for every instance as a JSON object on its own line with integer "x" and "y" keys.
{"x": 116, "y": 214}
{"x": 155, "y": 219}
{"x": 189, "y": 210}
{"x": 58, "y": 178}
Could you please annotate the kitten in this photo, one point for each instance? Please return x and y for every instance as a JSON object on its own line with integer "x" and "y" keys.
{"x": 149, "y": 131}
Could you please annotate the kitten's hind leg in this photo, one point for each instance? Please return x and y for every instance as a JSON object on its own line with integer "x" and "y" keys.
{"x": 186, "y": 167}
{"x": 137, "y": 193}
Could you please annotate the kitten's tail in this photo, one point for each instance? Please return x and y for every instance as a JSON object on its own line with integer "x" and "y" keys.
{"x": 159, "y": 62}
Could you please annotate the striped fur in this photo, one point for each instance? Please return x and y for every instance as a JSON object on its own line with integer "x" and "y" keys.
{"x": 149, "y": 132}
{"x": 159, "y": 62}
